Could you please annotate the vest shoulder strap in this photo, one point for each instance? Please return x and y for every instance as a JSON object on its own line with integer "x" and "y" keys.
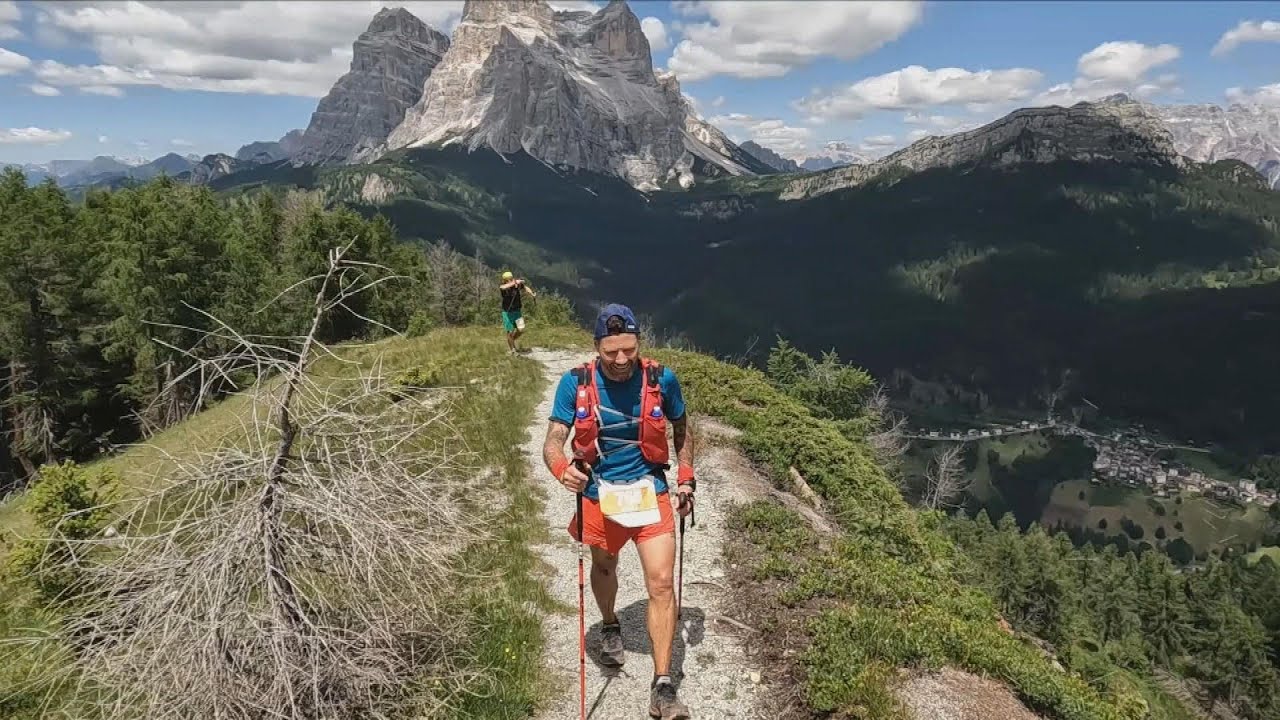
{"x": 583, "y": 374}
{"x": 652, "y": 371}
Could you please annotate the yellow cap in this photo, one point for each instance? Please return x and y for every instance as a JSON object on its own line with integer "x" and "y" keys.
{"x": 507, "y": 275}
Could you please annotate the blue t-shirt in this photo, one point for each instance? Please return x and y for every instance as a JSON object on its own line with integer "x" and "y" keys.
{"x": 620, "y": 462}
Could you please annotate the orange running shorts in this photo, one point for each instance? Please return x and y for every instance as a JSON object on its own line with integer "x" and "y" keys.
{"x": 610, "y": 536}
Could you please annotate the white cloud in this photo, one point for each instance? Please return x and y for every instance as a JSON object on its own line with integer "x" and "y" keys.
{"x": 767, "y": 38}
{"x": 575, "y": 5}
{"x": 718, "y": 101}
{"x": 656, "y": 32}
{"x": 1265, "y": 95}
{"x": 1125, "y": 62}
{"x": 1247, "y": 31}
{"x": 916, "y": 87}
{"x": 32, "y": 136}
{"x": 10, "y": 14}
{"x": 1116, "y": 67}
{"x": 945, "y": 123}
{"x": 880, "y": 141}
{"x": 11, "y": 62}
{"x": 179, "y": 142}
{"x": 219, "y": 46}
{"x": 767, "y": 132}
{"x": 918, "y": 134}
{"x": 107, "y": 90}
{"x": 44, "y": 90}
{"x": 103, "y": 138}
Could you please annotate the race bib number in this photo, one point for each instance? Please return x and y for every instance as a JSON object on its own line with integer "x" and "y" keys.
{"x": 631, "y": 505}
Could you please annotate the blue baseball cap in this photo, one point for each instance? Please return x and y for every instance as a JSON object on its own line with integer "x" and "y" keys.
{"x": 628, "y": 319}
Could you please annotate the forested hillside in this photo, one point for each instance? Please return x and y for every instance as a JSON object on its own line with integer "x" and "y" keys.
{"x": 101, "y": 301}
{"x": 1219, "y": 627}
{"x": 1151, "y": 293}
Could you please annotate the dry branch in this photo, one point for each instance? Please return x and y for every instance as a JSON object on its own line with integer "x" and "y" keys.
{"x": 803, "y": 489}
{"x": 308, "y": 569}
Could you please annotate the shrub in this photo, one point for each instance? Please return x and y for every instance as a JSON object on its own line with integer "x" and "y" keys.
{"x": 829, "y": 387}
{"x": 552, "y": 310}
{"x": 66, "y": 504}
{"x": 420, "y": 324}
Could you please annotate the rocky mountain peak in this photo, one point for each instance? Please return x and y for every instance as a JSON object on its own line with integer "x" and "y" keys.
{"x": 536, "y": 13}
{"x": 573, "y": 89}
{"x": 616, "y": 32}
{"x": 391, "y": 61}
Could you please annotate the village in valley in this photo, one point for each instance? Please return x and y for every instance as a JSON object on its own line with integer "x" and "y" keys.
{"x": 1128, "y": 458}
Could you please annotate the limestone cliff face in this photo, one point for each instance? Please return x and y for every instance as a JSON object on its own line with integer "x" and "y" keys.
{"x": 1121, "y": 132}
{"x": 1208, "y": 133}
{"x": 572, "y": 89}
{"x": 391, "y": 61}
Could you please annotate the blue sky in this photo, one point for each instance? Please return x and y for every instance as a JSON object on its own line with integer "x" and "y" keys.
{"x": 79, "y": 79}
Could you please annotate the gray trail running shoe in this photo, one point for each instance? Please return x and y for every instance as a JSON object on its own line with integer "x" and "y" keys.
{"x": 611, "y": 650}
{"x": 664, "y": 705}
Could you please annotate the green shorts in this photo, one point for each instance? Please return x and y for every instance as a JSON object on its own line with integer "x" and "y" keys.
{"x": 512, "y": 320}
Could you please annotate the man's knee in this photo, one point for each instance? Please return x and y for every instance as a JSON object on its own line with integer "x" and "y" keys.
{"x": 660, "y": 584}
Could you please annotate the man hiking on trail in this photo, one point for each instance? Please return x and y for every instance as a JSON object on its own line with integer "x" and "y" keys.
{"x": 618, "y": 406}
{"x": 512, "y": 319}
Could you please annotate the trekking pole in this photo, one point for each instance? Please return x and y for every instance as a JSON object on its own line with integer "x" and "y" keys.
{"x": 582, "y": 620}
{"x": 680, "y": 582}
{"x": 581, "y": 604}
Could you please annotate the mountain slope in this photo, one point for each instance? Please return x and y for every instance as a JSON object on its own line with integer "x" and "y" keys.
{"x": 991, "y": 283}
{"x": 391, "y": 60}
{"x": 1089, "y": 132}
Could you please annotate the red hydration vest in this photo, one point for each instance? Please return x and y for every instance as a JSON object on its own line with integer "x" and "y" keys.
{"x": 652, "y": 421}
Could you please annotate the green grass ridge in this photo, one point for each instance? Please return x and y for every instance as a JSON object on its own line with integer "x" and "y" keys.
{"x": 887, "y": 591}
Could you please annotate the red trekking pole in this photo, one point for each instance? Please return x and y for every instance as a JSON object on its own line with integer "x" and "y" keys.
{"x": 680, "y": 582}
{"x": 582, "y": 621}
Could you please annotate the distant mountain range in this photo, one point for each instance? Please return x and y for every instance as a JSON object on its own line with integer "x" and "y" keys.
{"x": 104, "y": 168}
{"x": 578, "y": 90}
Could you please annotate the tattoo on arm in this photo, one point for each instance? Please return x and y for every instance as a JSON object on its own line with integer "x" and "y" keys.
{"x": 553, "y": 446}
{"x": 683, "y": 440}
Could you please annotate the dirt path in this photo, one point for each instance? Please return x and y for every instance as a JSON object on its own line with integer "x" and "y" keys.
{"x": 708, "y": 665}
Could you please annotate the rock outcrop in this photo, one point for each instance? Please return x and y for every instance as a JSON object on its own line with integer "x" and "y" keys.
{"x": 1086, "y": 132}
{"x": 212, "y": 167}
{"x": 572, "y": 89}
{"x": 769, "y": 157}
{"x": 391, "y": 61}
{"x": 1208, "y": 133}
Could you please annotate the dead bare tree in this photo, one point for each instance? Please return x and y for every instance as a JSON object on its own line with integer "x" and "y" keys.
{"x": 889, "y": 442}
{"x": 306, "y": 566}
{"x": 945, "y": 479}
